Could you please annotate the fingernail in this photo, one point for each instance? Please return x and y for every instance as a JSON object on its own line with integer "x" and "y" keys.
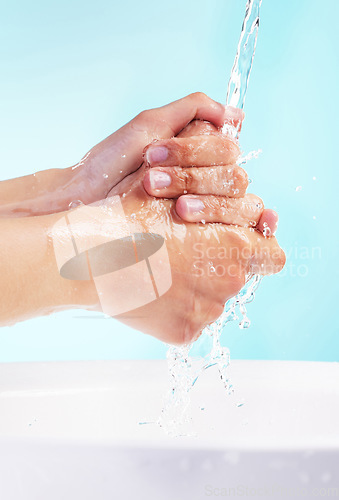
{"x": 159, "y": 180}
{"x": 156, "y": 154}
{"x": 194, "y": 205}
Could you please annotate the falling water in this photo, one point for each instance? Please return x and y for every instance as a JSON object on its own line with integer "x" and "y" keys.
{"x": 242, "y": 66}
{"x": 175, "y": 416}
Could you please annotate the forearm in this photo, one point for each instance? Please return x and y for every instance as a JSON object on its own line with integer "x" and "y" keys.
{"x": 44, "y": 192}
{"x": 30, "y": 283}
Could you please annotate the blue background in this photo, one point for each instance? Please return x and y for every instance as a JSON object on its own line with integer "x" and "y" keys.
{"x": 75, "y": 71}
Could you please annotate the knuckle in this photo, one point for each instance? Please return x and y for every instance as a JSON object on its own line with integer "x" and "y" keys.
{"x": 219, "y": 206}
{"x": 220, "y": 203}
{"x": 227, "y": 145}
{"x": 240, "y": 180}
{"x": 199, "y": 96}
{"x": 256, "y": 201}
{"x": 180, "y": 177}
{"x": 143, "y": 117}
{"x": 190, "y": 179}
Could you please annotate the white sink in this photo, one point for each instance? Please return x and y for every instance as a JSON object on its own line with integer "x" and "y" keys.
{"x": 71, "y": 430}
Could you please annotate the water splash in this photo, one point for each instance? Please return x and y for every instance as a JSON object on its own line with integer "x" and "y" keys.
{"x": 235, "y": 310}
{"x": 242, "y": 160}
{"x": 236, "y": 94}
{"x": 175, "y": 416}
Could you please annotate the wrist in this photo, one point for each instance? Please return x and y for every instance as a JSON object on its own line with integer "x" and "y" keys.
{"x": 30, "y": 283}
{"x": 88, "y": 245}
{"x": 70, "y": 293}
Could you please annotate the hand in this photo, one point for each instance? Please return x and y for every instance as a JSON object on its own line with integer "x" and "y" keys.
{"x": 202, "y": 161}
{"x": 199, "y": 288}
{"x": 209, "y": 262}
{"x": 108, "y": 163}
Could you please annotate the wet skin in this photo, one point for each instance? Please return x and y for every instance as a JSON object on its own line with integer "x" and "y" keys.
{"x": 201, "y": 164}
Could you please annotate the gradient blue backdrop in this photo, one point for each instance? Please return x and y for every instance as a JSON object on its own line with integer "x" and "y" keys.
{"x": 75, "y": 71}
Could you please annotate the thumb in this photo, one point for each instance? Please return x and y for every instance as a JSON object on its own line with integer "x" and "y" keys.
{"x": 122, "y": 152}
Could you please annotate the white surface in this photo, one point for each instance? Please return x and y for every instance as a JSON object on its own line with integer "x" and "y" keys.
{"x": 72, "y": 429}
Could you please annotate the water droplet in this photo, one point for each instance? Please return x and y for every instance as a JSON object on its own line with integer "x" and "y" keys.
{"x": 267, "y": 232}
{"x": 123, "y": 156}
{"x": 75, "y": 203}
{"x": 298, "y": 188}
{"x": 314, "y": 217}
{"x": 252, "y": 154}
{"x": 314, "y": 178}
{"x": 105, "y": 176}
{"x": 244, "y": 323}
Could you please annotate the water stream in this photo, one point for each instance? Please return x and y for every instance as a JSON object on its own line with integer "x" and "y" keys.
{"x": 175, "y": 416}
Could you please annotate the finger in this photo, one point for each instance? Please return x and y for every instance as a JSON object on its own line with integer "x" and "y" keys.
{"x": 233, "y": 116}
{"x": 199, "y": 151}
{"x": 171, "y": 182}
{"x": 197, "y": 106}
{"x": 251, "y": 251}
{"x": 244, "y": 211}
{"x": 268, "y": 222}
{"x": 122, "y": 152}
{"x": 266, "y": 255}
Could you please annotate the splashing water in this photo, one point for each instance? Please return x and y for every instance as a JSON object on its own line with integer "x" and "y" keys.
{"x": 244, "y": 159}
{"x": 175, "y": 416}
